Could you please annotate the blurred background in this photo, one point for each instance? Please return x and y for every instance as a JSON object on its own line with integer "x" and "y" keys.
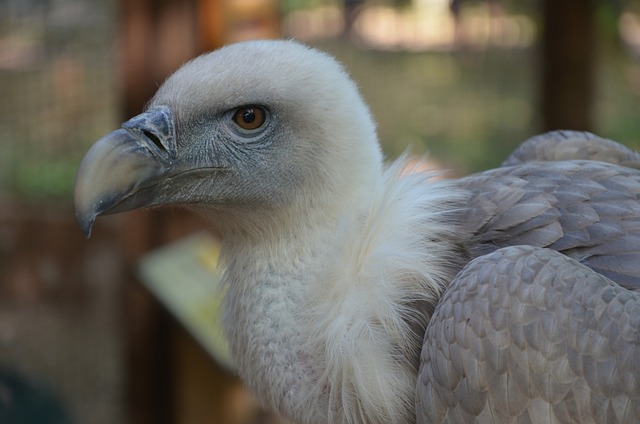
{"x": 83, "y": 337}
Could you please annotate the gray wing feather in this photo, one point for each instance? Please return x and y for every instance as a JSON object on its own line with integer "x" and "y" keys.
{"x": 587, "y": 210}
{"x": 572, "y": 145}
{"x": 526, "y": 334}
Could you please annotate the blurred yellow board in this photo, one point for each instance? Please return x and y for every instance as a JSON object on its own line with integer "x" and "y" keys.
{"x": 183, "y": 277}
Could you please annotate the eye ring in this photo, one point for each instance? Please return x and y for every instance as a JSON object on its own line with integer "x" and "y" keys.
{"x": 250, "y": 118}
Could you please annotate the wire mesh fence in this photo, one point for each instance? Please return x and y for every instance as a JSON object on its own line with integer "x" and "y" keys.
{"x": 56, "y": 80}
{"x": 60, "y": 356}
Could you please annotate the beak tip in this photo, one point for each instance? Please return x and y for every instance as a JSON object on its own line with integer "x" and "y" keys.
{"x": 85, "y": 221}
{"x": 86, "y": 229}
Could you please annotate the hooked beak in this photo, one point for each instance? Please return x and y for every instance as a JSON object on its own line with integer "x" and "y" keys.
{"x": 121, "y": 170}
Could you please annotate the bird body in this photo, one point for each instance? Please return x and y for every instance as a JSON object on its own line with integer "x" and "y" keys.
{"x": 359, "y": 293}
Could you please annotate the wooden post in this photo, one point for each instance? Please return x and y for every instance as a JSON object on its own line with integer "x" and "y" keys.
{"x": 568, "y": 64}
{"x": 156, "y": 36}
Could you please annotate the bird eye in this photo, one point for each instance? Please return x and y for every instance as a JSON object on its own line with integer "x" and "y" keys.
{"x": 250, "y": 118}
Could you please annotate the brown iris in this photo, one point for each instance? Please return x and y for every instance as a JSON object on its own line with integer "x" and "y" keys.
{"x": 250, "y": 117}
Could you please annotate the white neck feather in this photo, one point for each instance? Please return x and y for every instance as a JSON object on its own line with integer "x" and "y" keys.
{"x": 326, "y": 324}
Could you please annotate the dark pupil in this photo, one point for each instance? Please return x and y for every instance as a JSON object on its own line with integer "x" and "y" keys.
{"x": 249, "y": 116}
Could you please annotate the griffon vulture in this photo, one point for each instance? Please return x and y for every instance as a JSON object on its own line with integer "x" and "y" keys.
{"x": 364, "y": 293}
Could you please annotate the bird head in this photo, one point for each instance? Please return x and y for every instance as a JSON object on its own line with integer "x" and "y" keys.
{"x": 247, "y": 130}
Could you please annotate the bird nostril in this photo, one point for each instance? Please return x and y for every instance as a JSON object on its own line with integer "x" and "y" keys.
{"x": 154, "y": 138}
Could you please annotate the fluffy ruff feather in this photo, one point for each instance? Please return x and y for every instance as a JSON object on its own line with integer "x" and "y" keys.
{"x": 358, "y": 323}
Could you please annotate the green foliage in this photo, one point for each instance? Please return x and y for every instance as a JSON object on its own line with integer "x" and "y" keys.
{"x": 467, "y": 109}
{"x": 470, "y": 109}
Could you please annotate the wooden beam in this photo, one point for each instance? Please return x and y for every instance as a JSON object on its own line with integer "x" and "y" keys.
{"x": 568, "y": 64}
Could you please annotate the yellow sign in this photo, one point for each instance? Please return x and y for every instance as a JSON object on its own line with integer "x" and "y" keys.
{"x": 183, "y": 277}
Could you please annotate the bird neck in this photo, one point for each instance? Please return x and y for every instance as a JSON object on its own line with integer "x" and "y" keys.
{"x": 326, "y": 321}
{"x": 271, "y": 284}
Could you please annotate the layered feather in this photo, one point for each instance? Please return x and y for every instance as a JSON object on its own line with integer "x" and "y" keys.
{"x": 370, "y": 307}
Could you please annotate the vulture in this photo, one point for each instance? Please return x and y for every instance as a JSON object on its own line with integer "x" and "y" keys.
{"x": 358, "y": 292}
